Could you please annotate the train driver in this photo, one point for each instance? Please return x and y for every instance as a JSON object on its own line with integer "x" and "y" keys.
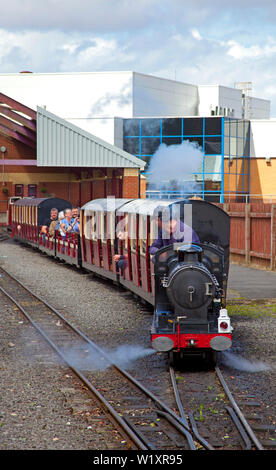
{"x": 172, "y": 231}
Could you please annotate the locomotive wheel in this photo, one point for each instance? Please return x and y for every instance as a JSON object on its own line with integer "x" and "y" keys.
{"x": 173, "y": 357}
{"x": 211, "y": 359}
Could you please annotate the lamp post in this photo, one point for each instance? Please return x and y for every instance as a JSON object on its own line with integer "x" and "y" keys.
{"x": 3, "y": 150}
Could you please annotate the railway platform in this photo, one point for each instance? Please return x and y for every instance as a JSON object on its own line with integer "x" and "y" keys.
{"x": 249, "y": 283}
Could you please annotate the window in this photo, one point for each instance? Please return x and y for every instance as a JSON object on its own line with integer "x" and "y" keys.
{"x": 149, "y": 145}
{"x": 18, "y": 190}
{"x": 192, "y": 126}
{"x": 131, "y": 127}
{"x": 32, "y": 190}
{"x": 172, "y": 126}
{"x": 213, "y": 126}
{"x": 213, "y": 145}
{"x": 197, "y": 140}
{"x": 150, "y": 127}
{"x": 171, "y": 140}
{"x": 131, "y": 145}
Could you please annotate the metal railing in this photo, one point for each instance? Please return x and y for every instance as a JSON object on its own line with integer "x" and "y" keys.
{"x": 227, "y": 197}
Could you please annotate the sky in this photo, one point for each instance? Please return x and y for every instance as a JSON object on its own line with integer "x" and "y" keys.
{"x": 202, "y": 42}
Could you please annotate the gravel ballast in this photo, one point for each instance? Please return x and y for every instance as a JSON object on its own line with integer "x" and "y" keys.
{"x": 42, "y": 405}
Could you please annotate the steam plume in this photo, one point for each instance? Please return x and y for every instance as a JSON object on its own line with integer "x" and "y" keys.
{"x": 172, "y": 167}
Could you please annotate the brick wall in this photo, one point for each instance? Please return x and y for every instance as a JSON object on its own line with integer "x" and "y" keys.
{"x": 131, "y": 183}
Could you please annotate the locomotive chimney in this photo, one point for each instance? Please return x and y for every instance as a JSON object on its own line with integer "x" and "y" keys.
{"x": 189, "y": 253}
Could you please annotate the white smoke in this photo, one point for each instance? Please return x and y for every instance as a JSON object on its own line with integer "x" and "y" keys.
{"x": 86, "y": 358}
{"x": 172, "y": 167}
{"x": 240, "y": 363}
{"x": 125, "y": 355}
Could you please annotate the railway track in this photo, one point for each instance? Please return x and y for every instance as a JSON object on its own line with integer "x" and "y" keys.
{"x": 147, "y": 422}
{"x": 144, "y": 420}
{"x": 215, "y": 414}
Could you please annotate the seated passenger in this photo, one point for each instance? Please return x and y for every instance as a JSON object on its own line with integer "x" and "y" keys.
{"x": 53, "y": 227}
{"x": 66, "y": 223}
{"x": 121, "y": 260}
{"x": 173, "y": 231}
{"x": 75, "y": 220}
{"x": 47, "y": 222}
{"x": 58, "y": 227}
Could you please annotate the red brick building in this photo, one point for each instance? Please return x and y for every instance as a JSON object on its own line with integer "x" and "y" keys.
{"x": 43, "y": 155}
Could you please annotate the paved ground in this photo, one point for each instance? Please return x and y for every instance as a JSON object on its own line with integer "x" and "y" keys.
{"x": 251, "y": 283}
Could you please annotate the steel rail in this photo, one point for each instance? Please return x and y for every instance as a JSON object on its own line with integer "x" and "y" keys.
{"x": 159, "y": 403}
{"x": 240, "y": 428}
{"x": 240, "y": 415}
{"x": 183, "y": 415}
{"x": 236, "y": 415}
{"x": 134, "y": 438}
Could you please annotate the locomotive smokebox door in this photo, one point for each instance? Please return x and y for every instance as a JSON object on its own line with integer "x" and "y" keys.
{"x": 190, "y": 287}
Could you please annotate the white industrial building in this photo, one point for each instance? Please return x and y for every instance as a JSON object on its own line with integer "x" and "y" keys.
{"x": 104, "y": 104}
{"x": 92, "y": 100}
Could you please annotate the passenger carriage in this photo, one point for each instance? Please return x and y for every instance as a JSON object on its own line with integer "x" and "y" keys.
{"x": 28, "y": 216}
{"x": 140, "y": 218}
{"x": 98, "y": 221}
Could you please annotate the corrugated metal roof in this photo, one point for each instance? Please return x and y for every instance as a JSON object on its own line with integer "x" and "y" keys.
{"x": 60, "y": 143}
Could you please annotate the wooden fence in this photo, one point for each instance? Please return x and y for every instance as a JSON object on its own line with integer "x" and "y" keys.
{"x": 253, "y": 234}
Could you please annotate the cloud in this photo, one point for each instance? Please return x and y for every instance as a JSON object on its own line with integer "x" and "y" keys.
{"x": 81, "y": 15}
{"x": 238, "y": 51}
{"x": 125, "y": 15}
{"x": 196, "y": 35}
{"x": 195, "y": 42}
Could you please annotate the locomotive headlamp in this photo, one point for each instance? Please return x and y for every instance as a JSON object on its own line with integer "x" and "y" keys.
{"x": 224, "y": 325}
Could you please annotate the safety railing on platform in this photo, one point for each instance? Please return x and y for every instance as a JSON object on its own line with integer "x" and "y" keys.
{"x": 212, "y": 195}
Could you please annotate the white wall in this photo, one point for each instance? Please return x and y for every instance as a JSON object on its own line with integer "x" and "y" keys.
{"x": 262, "y": 142}
{"x": 88, "y": 100}
{"x": 153, "y": 96}
{"x": 258, "y": 108}
{"x": 231, "y": 98}
{"x": 220, "y": 96}
{"x": 208, "y": 99}
{"x": 118, "y": 132}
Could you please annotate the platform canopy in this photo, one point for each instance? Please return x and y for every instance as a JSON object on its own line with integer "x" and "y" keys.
{"x": 62, "y": 144}
{"x": 17, "y": 121}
